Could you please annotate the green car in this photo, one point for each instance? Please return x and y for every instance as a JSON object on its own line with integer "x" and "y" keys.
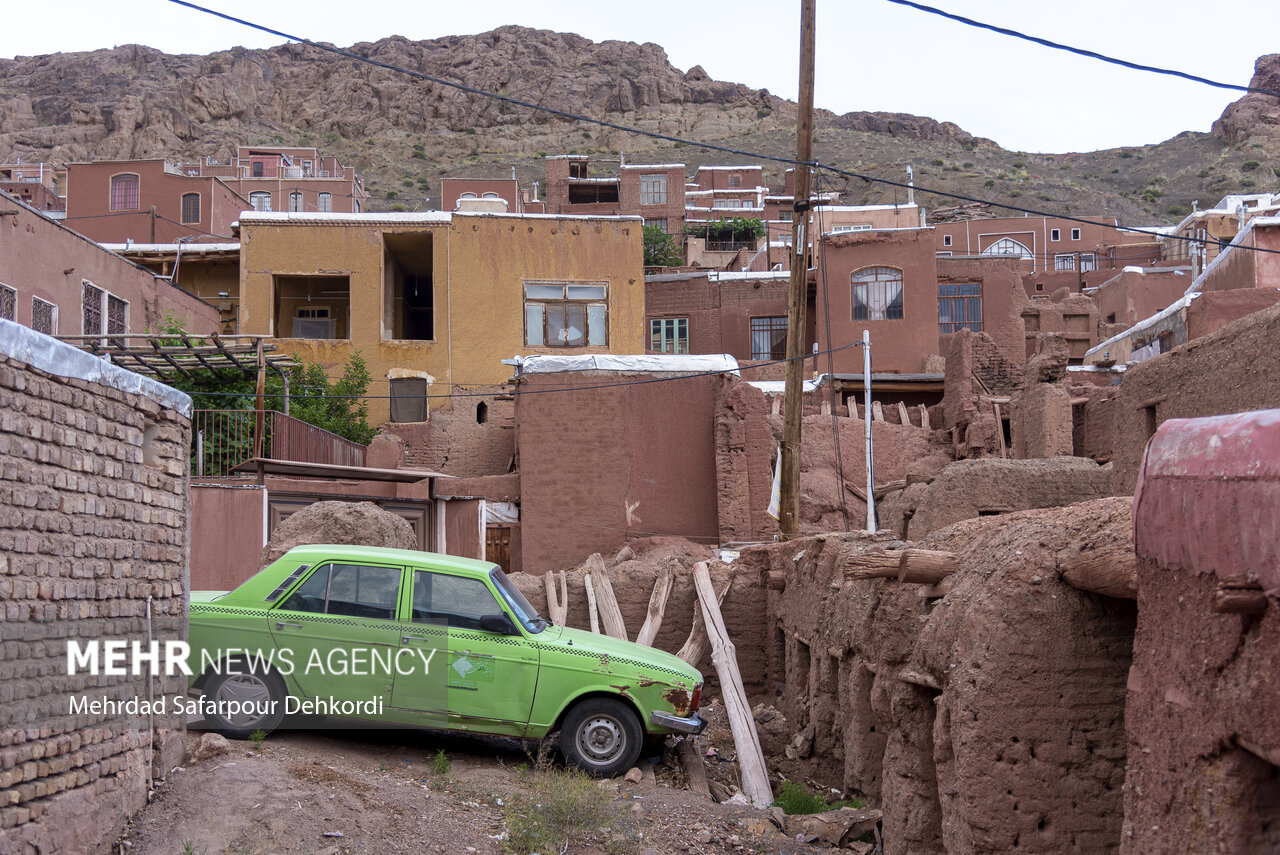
{"x": 414, "y": 638}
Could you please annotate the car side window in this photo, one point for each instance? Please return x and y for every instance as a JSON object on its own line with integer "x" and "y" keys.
{"x": 455, "y": 600}
{"x": 354, "y": 590}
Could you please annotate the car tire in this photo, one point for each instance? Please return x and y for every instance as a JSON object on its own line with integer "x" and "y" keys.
{"x": 240, "y": 683}
{"x": 601, "y": 736}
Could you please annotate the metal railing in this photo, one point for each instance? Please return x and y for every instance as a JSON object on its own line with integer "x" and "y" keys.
{"x": 728, "y": 245}
{"x": 223, "y": 439}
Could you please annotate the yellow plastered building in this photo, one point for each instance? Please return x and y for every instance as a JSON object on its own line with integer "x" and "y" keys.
{"x": 449, "y": 295}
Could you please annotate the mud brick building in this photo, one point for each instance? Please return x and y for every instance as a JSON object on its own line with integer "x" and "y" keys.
{"x": 93, "y": 546}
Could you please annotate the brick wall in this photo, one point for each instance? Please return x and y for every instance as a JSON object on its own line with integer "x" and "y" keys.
{"x": 93, "y": 514}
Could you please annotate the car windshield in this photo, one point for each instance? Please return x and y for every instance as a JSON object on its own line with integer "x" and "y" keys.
{"x": 527, "y": 614}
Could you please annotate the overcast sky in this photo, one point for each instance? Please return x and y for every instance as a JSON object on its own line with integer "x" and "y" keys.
{"x": 871, "y": 54}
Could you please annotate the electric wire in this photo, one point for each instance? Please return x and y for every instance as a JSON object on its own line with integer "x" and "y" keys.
{"x": 1043, "y": 42}
{"x": 816, "y": 165}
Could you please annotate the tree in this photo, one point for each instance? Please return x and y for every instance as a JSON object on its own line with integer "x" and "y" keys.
{"x": 660, "y": 249}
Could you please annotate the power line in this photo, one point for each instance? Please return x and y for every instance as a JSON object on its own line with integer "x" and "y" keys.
{"x": 1043, "y": 42}
{"x": 666, "y": 137}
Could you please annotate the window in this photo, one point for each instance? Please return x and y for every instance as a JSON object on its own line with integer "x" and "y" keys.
{"x": 295, "y": 201}
{"x": 460, "y": 602}
{"x": 1007, "y": 246}
{"x": 561, "y": 314}
{"x": 124, "y": 192}
{"x": 306, "y": 169}
{"x": 959, "y": 307}
{"x": 325, "y": 202}
{"x": 258, "y": 169}
{"x": 735, "y": 180}
{"x": 856, "y": 227}
{"x": 786, "y": 216}
{"x": 946, "y": 240}
{"x": 261, "y": 201}
{"x": 769, "y": 338}
{"x": 1064, "y": 261}
{"x": 355, "y": 590}
{"x": 727, "y": 203}
{"x": 653, "y": 189}
{"x": 1088, "y": 261}
{"x": 44, "y": 316}
{"x": 877, "y": 294}
{"x": 8, "y": 302}
{"x": 1055, "y": 234}
{"x": 658, "y": 223}
{"x": 409, "y": 399}
{"x": 669, "y": 335}
{"x": 1075, "y": 234}
{"x": 191, "y": 207}
{"x": 102, "y": 312}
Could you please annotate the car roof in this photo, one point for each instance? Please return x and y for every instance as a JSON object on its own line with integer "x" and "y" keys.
{"x": 387, "y": 554}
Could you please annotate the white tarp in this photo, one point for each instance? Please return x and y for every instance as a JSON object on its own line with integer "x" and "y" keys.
{"x": 501, "y": 513}
{"x": 62, "y": 360}
{"x": 647, "y": 363}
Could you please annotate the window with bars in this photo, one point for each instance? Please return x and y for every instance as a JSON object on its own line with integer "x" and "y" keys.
{"x": 769, "y": 338}
{"x": 735, "y": 180}
{"x": 877, "y": 294}
{"x": 1064, "y": 261}
{"x": 124, "y": 192}
{"x": 653, "y": 189}
{"x": 295, "y": 202}
{"x": 658, "y": 223}
{"x": 959, "y": 307}
{"x": 117, "y": 315}
{"x": 91, "y": 308}
{"x": 1008, "y": 246}
{"x": 44, "y": 316}
{"x": 566, "y": 314}
{"x": 669, "y": 335}
{"x": 260, "y": 201}
{"x": 102, "y": 312}
{"x": 8, "y": 302}
{"x": 191, "y": 208}
{"x": 1088, "y": 261}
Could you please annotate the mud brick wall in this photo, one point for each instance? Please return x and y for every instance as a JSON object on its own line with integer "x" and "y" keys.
{"x": 988, "y": 720}
{"x": 476, "y": 436}
{"x": 93, "y": 513}
{"x": 1232, "y": 370}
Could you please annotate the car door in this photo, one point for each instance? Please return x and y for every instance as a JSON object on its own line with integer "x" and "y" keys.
{"x": 339, "y": 629}
{"x": 479, "y": 680}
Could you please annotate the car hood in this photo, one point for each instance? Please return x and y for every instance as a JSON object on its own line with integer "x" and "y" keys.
{"x": 625, "y": 651}
{"x": 206, "y": 596}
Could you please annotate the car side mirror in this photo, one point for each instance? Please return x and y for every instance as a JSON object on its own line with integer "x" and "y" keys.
{"x": 498, "y": 623}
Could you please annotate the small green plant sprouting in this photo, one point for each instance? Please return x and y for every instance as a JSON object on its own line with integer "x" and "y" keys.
{"x": 258, "y": 737}
{"x": 189, "y": 848}
{"x": 795, "y": 798}
{"x": 564, "y": 806}
{"x": 440, "y": 764}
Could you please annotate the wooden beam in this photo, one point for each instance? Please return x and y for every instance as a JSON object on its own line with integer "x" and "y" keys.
{"x": 918, "y": 566}
{"x": 1004, "y": 452}
{"x": 557, "y": 607}
{"x": 1111, "y": 570}
{"x": 606, "y": 602}
{"x": 746, "y": 742}
{"x": 695, "y": 646}
{"x": 657, "y": 608}
{"x": 903, "y": 417}
{"x": 695, "y": 768}
{"x": 924, "y": 417}
{"x": 591, "y": 604}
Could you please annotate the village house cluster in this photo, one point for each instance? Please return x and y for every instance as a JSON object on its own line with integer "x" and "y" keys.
{"x": 542, "y": 395}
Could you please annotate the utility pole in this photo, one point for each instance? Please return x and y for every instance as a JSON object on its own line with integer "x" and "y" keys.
{"x": 793, "y": 397}
{"x": 153, "y": 223}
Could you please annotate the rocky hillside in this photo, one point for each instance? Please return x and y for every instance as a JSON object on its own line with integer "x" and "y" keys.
{"x": 404, "y": 134}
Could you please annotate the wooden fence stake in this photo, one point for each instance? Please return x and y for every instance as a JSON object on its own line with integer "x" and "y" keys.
{"x": 657, "y": 608}
{"x": 591, "y": 604}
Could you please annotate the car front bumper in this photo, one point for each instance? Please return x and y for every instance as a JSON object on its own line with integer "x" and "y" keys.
{"x": 692, "y": 724}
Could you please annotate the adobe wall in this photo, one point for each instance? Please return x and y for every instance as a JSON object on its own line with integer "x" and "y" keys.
{"x": 1228, "y": 371}
{"x": 1093, "y": 421}
{"x": 1003, "y": 300}
{"x": 475, "y": 437}
{"x": 93, "y": 525}
{"x": 990, "y": 719}
{"x": 1073, "y": 316}
{"x": 990, "y": 487}
{"x": 719, "y": 312}
{"x": 1133, "y": 296}
{"x": 1213, "y": 310}
{"x": 597, "y": 467}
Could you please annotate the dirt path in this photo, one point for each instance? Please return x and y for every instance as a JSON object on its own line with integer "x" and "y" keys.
{"x": 381, "y": 792}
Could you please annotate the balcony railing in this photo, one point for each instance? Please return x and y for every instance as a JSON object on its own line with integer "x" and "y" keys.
{"x": 223, "y": 439}
{"x": 728, "y": 245}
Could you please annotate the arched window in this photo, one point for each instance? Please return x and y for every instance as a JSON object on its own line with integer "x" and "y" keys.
{"x": 877, "y": 294}
{"x": 124, "y": 192}
{"x": 1007, "y": 246}
{"x": 261, "y": 201}
{"x": 191, "y": 207}
{"x": 482, "y": 413}
{"x": 295, "y": 201}
{"x": 490, "y": 195}
{"x": 325, "y": 202}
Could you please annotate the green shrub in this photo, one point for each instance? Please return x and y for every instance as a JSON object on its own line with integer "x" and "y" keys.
{"x": 795, "y": 798}
{"x": 1249, "y": 166}
{"x": 564, "y": 808}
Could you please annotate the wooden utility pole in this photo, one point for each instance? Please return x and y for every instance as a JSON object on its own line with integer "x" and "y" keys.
{"x": 793, "y": 397}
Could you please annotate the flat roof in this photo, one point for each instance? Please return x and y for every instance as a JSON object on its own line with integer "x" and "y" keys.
{"x": 271, "y": 466}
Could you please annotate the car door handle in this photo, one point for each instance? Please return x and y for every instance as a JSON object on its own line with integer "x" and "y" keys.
{"x": 405, "y": 639}
{"x": 282, "y": 624}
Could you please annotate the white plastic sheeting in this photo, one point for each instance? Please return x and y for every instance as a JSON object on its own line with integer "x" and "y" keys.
{"x": 648, "y": 363}
{"x": 501, "y": 513}
{"x": 62, "y": 360}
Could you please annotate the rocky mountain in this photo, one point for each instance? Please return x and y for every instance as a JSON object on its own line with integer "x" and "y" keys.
{"x": 404, "y": 133}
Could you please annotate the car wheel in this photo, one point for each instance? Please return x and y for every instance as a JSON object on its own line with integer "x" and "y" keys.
{"x": 240, "y": 701}
{"x": 601, "y": 736}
